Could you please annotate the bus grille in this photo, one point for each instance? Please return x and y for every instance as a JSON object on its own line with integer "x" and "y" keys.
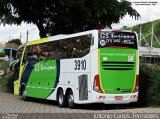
{"x": 118, "y": 65}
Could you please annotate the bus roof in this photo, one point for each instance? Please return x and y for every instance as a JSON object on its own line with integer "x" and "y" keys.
{"x": 57, "y": 37}
{"x": 64, "y": 36}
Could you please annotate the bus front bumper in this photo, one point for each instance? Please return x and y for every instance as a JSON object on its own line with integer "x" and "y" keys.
{"x": 114, "y": 98}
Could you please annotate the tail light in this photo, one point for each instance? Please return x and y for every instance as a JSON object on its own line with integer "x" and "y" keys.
{"x": 96, "y": 85}
{"x": 136, "y": 85}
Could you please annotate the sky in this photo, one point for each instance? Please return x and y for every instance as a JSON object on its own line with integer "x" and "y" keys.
{"x": 148, "y": 9}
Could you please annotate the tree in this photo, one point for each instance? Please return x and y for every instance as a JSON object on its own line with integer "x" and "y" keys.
{"x": 68, "y": 16}
{"x": 6, "y": 16}
{"x": 15, "y": 41}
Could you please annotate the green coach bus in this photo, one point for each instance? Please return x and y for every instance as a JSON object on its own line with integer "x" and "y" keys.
{"x": 96, "y": 66}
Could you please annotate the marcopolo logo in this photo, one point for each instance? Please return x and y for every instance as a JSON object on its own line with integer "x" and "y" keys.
{"x": 102, "y": 42}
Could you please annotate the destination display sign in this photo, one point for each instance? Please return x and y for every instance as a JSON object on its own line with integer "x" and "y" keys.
{"x": 125, "y": 39}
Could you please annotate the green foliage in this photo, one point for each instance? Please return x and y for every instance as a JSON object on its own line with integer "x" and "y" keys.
{"x": 149, "y": 87}
{"x": 146, "y": 29}
{"x": 10, "y": 82}
{"x": 15, "y": 41}
{"x": 6, "y": 16}
{"x": 6, "y": 83}
{"x": 3, "y": 65}
{"x": 69, "y": 16}
{"x": 2, "y": 54}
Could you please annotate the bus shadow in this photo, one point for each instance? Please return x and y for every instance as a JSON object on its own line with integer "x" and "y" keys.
{"x": 41, "y": 101}
{"x": 89, "y": 106}
{"x": 107, "y": 106}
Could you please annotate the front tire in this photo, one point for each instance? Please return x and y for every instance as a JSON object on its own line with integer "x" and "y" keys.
{"x": 61, "y": 99}
{"x": 24, "y": 97}
{"x": 70, "y": 99}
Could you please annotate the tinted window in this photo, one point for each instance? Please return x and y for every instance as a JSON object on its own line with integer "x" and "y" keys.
{"x": 120, "y": 39}
{"x": 62, "y": 49}
{"x": 19, "y": 52}
{"x": 76, "y": 47}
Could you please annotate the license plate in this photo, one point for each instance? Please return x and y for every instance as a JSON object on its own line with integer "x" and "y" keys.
{"x": 118, "y": 97}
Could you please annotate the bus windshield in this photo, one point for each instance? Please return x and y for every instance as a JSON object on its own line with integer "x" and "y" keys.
{"x": 114, "y": 39}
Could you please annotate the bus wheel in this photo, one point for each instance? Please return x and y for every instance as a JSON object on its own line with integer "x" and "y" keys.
{"x": 24, "y": 97}
{"x": 70, "y": 99}
{"x": 61, "y": 98}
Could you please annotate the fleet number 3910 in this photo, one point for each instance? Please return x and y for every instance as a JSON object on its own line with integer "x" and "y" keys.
{"x": 80, "y": 64}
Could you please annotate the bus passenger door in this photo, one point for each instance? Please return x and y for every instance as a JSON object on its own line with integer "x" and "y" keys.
{"x": 83, "y": 86}
{"x": 18, "y": 81}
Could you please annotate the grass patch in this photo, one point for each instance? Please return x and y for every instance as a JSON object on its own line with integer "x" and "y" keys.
{"x": 5, "y": 83}
{"x": 3, "y": 65}
{"x": 146, "y": 29}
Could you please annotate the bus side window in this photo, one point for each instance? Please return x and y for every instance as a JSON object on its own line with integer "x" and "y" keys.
{"x": 81, "y": 46}
{"x": 30, "y": 54}
{"x": 54, "y": 50}
{"x": 75, "y": 47}
{"x": 19, "y": 53}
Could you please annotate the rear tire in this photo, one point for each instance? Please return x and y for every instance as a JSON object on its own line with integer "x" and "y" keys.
{"x": 70, "y": 99}
{"x": 61, "y": 99}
